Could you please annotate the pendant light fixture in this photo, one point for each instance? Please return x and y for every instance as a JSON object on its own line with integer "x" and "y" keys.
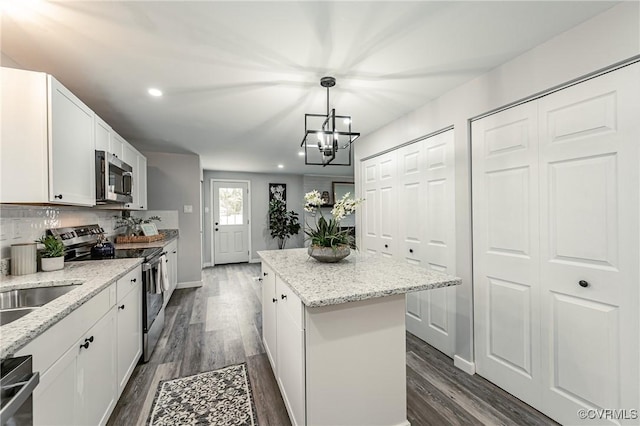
{"x": 328, "y": 137}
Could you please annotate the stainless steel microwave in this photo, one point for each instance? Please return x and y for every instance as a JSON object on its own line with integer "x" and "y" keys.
{"x": 114, "y": 179}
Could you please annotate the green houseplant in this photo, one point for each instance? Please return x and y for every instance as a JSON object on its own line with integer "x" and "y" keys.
{"x": 329, "y": 243}
{"x": 282, "y": 223}
{"x": 52, "y": 255}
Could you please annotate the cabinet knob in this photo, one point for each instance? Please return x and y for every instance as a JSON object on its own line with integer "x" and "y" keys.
{"x": 264, "y": 274}
{"x": 583, "y": 283}
{"x": 133, "y": 280}
{"x": 216, "y": 229}
{"x": 142, "y": 207}
{"x": 410, "y": 250}
{"x": 259, "y": 279}
{"x": 121, "y": 307}
{"x": 90, "y": 339}
{"x": 274, "y": 300}
{"x": 216, "y": 223}
{"x": 283, "y": 296}
{"x": 386, "y": 246}
{"x": 85, "y": 345}
{"x": 59, "y": 196}
{"x": 174, "y": 252}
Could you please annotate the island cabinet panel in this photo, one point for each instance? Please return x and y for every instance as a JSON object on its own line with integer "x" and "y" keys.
{"x": 269, "y": 304}
{"x": 355, "y": 363}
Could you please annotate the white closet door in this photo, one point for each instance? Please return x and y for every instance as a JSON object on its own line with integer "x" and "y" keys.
{"x": 506, "y": 252}
{"x": 589, "y": 136}
{"x": 430, "y": 233}
{"x": 388, "y": 204}
{"x": 370, "y": 211}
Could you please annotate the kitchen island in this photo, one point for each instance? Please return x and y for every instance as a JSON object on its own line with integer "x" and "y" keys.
{"x": 335, "y": 334}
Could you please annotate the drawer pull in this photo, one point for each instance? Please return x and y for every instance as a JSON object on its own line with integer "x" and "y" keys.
{"x": 59, "y": 196}
{"x": 90, "y": 339}
{"x": 264, "y": 274}
{"x": 85, "y": 345}
{"x": 260, "y": 279}
{"x": 274, "y": 300}
{"x": 283, "y": 296}
{"x": 133, "y": 280}
{"x": 583, "y": 283}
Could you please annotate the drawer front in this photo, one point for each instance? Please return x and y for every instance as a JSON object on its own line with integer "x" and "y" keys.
{"x": 55, "y": 341}
{"x": 133, "y": 280}
{"x": 289, "y": 301}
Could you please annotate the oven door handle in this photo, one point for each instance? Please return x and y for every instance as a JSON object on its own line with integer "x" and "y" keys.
{"x": 19, "y": 398}
{"x": 146, "y": 266}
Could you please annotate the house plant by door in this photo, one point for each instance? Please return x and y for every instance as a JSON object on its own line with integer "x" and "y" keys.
{"x": 282, "y": 223}
{"x": 52, "y": 256}
{"x": 329, "y": 243}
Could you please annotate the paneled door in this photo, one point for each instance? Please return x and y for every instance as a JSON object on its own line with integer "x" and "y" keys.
{"x": 230, "y": 222}
{"x": 427, "y": 231}
{"x": 589, "y": 231}
{"x": 380, "y": 221}
{"x": 505, "y": 250}
{"x": 556, "y": 248}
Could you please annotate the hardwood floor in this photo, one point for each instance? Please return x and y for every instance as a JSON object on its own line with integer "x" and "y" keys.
{"x": 220, "y": 324}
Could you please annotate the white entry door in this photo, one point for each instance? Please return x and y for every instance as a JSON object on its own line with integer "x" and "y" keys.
{"x": 230, "y": 222}
{"x": 556, "y": 204}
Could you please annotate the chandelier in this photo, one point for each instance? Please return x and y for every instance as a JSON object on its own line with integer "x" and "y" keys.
{"x": 328, "y": 137}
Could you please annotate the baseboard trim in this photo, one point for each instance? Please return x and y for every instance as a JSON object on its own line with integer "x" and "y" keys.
{"x": 207, "y": 265}
{"x": 256, "y": 260}
{"x": 464, "y": 365}
{"x": 189, "y": 284}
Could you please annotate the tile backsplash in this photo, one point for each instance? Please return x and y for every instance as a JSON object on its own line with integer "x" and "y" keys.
{"x": 23, "y": 224}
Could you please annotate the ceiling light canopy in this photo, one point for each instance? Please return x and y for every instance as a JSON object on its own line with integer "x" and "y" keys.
{"x": 328, "y": 137}
{"x": 155, "y": 92}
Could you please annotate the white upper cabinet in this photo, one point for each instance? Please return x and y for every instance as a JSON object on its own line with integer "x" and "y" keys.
{"x": 103, "y": 134}
{"x": 132, "y": 157}
{"x": 48, "y": 142}
{"x": 117, "y": 147}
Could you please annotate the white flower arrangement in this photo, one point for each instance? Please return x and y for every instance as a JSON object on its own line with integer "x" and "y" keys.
{"x": 328, "y": 234}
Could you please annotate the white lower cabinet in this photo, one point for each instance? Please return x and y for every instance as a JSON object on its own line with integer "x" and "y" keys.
{"x": 129, "y": 326}
{"x": 283, "y": 336}
{"x": 86, "y": 359}
{"x": 172, "y": 269}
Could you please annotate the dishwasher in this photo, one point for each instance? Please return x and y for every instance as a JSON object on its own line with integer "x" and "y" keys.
{"x": 17, "y": 382}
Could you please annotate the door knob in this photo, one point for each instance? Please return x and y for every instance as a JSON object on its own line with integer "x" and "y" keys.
{"x": 583, "y": 283}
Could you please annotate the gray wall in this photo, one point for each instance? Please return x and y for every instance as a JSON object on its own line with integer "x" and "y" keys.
{"x": 606, "y": 39}
{"x": 173, "y": 181}
{"x": 259, "y": 198}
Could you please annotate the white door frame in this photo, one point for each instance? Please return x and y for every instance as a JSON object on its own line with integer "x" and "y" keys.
{"x": 211, "y": 198}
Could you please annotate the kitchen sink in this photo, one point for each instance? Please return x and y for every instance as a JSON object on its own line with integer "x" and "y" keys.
{"x": 32, "y": 297}
{"x": 10, "y": 315}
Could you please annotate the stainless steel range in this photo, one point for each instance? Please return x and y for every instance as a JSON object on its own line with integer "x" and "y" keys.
{"x": 87, "y": 242}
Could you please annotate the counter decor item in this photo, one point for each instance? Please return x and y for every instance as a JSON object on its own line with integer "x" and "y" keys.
{"x": 329, "y": 244}
{"x": 24, "y": 259}
{"x": 132, "y": 224}
{"x": 52, "y": 256}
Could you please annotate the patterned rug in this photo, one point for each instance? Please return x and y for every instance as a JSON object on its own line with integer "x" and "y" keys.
{"x": 221, "y": 397}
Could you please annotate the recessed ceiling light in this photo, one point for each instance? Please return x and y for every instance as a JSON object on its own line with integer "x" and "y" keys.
{"x": 155, "y": 92}
{"x": 301, "y": 153}
{"x": 280, "y": 166}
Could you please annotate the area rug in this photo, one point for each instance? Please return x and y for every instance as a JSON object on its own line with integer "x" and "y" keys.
{"x": 221, "y": 397}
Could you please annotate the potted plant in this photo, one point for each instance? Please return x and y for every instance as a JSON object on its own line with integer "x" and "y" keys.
{"x": 282, "y": 223}
{"x": 52, "y": 255}
{"x": 329, "y": 243}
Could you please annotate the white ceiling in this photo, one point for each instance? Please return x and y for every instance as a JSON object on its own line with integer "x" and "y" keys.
{"x": 238, "y": 77}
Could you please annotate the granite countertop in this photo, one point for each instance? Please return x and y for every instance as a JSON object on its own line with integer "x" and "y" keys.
{"x": 359, "y": 276}
{"x": 95, "y": 276}
{"x": 169, "y": 236}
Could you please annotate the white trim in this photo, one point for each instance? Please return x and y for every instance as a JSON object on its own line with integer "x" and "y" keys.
{"x": 207, "y": 265}
{"x": 464, "y": 365}
{"x": 213, "y": 240}
{"x": 189, "y": 284}
{"x": 255, "y": 260}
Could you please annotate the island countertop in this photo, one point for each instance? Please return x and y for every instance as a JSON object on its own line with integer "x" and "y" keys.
{"x": 359, "y": 276}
